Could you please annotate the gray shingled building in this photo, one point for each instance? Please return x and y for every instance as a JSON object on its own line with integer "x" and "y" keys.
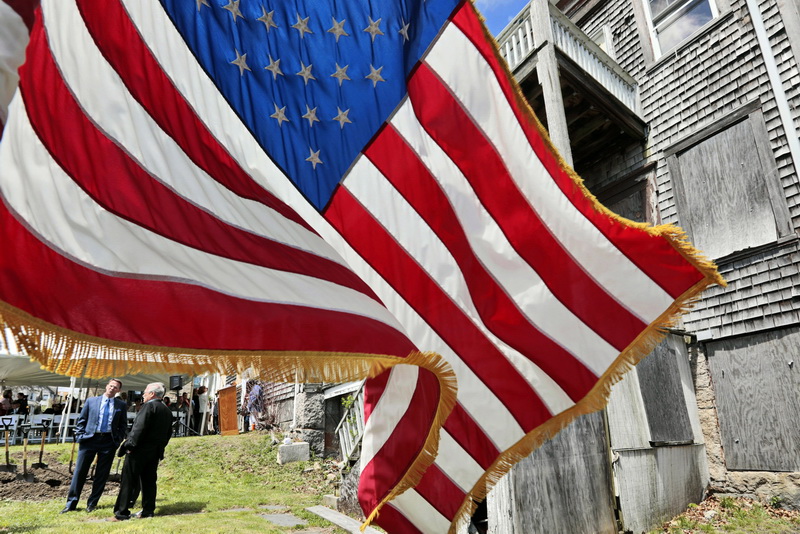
{"x": 684, "y": 112}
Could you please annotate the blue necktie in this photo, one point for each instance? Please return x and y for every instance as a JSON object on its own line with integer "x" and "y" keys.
{"x": 104, "y": 417}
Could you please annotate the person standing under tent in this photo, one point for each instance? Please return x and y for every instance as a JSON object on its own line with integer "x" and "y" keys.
{"x": 99, "y": 430}
{"x": 143, "y": 450}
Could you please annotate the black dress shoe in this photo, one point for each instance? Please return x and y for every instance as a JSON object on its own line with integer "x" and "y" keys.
{"x": 66, "y": 509}
{"x": 142, "y": 515}
{"x": 90, "y": 509}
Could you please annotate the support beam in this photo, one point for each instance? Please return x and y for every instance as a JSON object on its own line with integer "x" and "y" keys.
{"x": 547, "y": 71}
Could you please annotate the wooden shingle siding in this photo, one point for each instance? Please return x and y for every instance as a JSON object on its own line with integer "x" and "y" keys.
{"x": 756, "y": 379}
{"x": 691, "y": 88}
{"x": 762, "y": 293}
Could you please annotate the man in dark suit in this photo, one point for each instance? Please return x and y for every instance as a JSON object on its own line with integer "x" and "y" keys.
{"x": 99, "y": 430}
{"x": 143, "y": 449}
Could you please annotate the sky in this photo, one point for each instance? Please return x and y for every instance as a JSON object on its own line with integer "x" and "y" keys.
{"x": 498, "y": 13}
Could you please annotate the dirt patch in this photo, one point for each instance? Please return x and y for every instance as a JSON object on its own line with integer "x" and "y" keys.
{"x": 45, "y": 483}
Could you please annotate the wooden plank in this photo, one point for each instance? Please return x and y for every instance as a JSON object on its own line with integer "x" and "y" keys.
{"x": 662, "y": 393}
{"x": 687, "y": 384}
{"x": 656, "y": 484}
{"x": 340, "y": 520}
{"x": 627, "y": 419}
{"x": 756, "y": 381}
{"x": 564, "y": 486}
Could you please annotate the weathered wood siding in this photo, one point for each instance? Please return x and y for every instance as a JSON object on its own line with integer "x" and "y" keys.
{"x": 691, "y": 88}
{"x": 757, "y": 382}
{"x": 562, "y": 488}
{"x": 660, "y": 384}
{"x": 654, "y": 483}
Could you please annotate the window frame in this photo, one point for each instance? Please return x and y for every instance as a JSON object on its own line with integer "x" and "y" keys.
{"x": 651, "y": 49}
{"x": 671, "y": 14}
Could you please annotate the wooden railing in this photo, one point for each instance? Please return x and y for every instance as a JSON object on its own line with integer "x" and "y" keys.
{"x": 351, "y": 427}
{"x": 517, "y": 42}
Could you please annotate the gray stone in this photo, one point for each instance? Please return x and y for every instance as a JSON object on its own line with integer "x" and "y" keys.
{"x": 348, "y": 492}
{"x": 284, "y": 520}
{"x": 310, "y": 409}
{"x": 294, "y": 452}
{"x": 331, "y": 501}
{"x": 315, "y": 438}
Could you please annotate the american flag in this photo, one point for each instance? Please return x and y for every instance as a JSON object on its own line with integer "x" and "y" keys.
{"x": 334, "y": 186}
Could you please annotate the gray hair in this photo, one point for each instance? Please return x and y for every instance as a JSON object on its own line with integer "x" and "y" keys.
{"x": 158, "y": 389}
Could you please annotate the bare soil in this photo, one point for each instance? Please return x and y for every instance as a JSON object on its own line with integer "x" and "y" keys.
{"x": 44, "y": 483}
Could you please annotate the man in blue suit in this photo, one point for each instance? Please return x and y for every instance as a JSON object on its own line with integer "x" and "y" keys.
{"x": 99, "y": 430}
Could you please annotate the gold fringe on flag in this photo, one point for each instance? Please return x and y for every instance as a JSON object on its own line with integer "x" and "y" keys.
{"x": 597, "y": 398}
{"x": 65, "y": 352}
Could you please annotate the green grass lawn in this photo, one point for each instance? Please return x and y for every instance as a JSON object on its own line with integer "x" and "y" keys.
{"x": 205, "y": 484}
{"x": 732, "y": 516}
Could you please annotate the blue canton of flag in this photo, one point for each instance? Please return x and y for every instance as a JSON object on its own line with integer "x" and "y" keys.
{"x": 313, "y": 81}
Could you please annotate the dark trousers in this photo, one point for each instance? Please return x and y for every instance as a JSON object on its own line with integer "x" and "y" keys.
{"x": 139, "y": 472}
{"x": 103, "y": 447}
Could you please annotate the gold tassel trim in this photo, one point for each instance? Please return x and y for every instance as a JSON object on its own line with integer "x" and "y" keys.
{"x": 643, "y": 345}
{"x": 66, "y": 352}
{"x": 447, "y": 400}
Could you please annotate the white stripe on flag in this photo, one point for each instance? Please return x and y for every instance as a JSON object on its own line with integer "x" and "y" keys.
{"x": 389, "y": 410}
{"x": 520, "y": 281}
{"x": 421, "y": 513}
{"x": 377, "y": 195}
{"x": 456, "y": 463}
{"x": 13, "y": 38}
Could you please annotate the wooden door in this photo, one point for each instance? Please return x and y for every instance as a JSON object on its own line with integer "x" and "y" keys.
{"x": 228, "y": 421}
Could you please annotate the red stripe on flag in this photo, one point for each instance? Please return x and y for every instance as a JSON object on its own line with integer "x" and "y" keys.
{"x": 25, "y": 9}
{"x": 472, "y": 438}
{"x": 466, "y": 145}
{"x": 391, "y": 463}
{"x": 383, "y": 253}
{"x": 441, "y": 492}
{"x": 653, "y": 255}
{"x": 47, "y": 285}
{"x": 391, "y": 519}
{"x": 401, "y": 166}
{"x": 373, "y": 390}
{"x": 94, "y": 162}
{"x": 122, "y": 46}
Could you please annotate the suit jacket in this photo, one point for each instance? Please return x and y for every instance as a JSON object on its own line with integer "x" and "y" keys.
{"x": 151, "y": 429}
{"x": 86, "y": 425}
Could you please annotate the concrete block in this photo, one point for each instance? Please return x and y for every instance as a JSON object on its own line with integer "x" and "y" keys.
{"x": 294, "y": 452}
{"x": 331, "y": 501}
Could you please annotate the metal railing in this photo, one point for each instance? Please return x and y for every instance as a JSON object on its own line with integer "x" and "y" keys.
{"x": 351, "y": 427}
{"x": 517, "y": 43}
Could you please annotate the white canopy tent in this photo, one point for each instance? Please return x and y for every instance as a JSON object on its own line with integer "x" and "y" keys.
{"x": 18, "y": 370}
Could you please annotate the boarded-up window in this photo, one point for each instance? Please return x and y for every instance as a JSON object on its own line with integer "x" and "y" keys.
{"x": 727, "y": 193}
{"x": 757, "y": 384}
{"x": 662, "y": 393}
